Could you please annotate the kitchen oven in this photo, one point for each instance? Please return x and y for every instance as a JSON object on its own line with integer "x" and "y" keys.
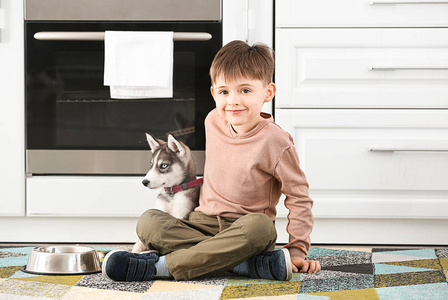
{"x": 72, "y": 124}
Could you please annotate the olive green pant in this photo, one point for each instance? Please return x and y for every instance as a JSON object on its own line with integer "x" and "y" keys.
{"x": 203, "y": 244}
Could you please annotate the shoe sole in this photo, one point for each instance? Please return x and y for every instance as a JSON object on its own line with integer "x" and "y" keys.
{"x": 288, "y": 264}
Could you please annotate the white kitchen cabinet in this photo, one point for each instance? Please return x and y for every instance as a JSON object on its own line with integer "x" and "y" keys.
{"x": 363, "y": 90}
{"x": 12, "y": 132}
{"x": 358, "y": 162}
{"x": 361, "y": 13}
{"x": 376, "y": 176}
{"x": 80, "y": 209}
{"x": 362, "y": 68}
{"x": 88, "y": 196}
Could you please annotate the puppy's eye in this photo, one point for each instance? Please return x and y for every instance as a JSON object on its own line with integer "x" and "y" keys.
{"x": 164, "y": 166}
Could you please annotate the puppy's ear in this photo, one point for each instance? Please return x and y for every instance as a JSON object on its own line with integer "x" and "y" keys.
{"x": 175, "y": 146}
{"x": 153, "y": 143}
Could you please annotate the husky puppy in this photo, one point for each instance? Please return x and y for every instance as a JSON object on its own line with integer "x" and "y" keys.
{"x": 173, "y": 170}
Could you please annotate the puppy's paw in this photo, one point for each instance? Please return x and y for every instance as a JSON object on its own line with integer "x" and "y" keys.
{"x": 139, "y": 247}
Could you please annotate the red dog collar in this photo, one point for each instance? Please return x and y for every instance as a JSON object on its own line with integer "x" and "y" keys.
{"x": 184, "y": 186}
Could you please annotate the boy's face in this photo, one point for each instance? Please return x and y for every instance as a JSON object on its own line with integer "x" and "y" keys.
{"x": 240, "y": 101}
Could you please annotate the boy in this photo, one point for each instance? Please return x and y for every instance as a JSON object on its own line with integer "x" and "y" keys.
{"x": 250, "y": 162}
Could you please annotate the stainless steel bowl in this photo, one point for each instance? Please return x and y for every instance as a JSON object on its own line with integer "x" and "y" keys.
{"x": 63, "y": 260}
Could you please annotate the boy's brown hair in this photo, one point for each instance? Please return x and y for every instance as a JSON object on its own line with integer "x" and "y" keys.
{"x": 237, "y": 60}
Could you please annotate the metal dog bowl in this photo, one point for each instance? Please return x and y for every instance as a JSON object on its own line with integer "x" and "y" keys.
{"x": 63, "y": 260}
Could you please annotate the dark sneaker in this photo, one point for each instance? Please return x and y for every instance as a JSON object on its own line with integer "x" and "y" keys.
{"x": 121, "y": 265}
{"x": 274, "y": 265}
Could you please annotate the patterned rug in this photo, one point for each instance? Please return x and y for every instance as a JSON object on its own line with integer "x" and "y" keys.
{"x": 367, "y": 273}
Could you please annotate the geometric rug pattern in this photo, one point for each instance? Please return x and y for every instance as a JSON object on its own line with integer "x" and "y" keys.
{"x": 365, "y": 273}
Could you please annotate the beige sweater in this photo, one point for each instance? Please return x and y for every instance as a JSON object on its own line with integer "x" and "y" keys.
{"x": 247, "y": 173}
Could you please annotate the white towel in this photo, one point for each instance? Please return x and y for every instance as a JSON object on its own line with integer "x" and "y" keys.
{"x": 138, "y": 64}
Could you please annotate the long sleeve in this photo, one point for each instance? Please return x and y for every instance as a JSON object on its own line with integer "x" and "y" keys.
{"x": 295, "y": 187}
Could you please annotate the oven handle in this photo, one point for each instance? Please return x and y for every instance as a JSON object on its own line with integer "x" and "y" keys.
{"x": 99, "y": 36}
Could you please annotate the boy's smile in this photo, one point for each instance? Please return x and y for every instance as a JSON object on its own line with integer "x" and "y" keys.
{"x": 240, "y": 101}
{"x": 235, "y": 111}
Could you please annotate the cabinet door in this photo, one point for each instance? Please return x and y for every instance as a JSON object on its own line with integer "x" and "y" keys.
{"x": 362, "y": 68}
{"x": 88, "y": 196}
{"x": 361, "y": 13}
{"x": 373, "y": 163}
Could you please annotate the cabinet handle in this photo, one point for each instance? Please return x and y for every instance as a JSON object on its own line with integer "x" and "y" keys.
{"x": 387, "y": 2}
{"x": 379, "y": 149}
{"x": 407, "y": 68}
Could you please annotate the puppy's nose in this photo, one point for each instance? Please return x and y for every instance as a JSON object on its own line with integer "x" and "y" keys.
{"x": 145, "y": 182}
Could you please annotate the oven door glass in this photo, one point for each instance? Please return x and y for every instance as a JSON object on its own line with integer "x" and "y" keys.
{"x": 68, "y": 107}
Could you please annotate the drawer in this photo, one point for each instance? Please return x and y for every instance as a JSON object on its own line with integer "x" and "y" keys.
{"x": 89, "y": 196}
{"x": 361, "y": 13}
{"x": 371, "y": 150}
{"x": 362, "y": 68}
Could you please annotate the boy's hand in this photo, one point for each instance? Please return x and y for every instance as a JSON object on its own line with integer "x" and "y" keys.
{"x": 305, "y": 266}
